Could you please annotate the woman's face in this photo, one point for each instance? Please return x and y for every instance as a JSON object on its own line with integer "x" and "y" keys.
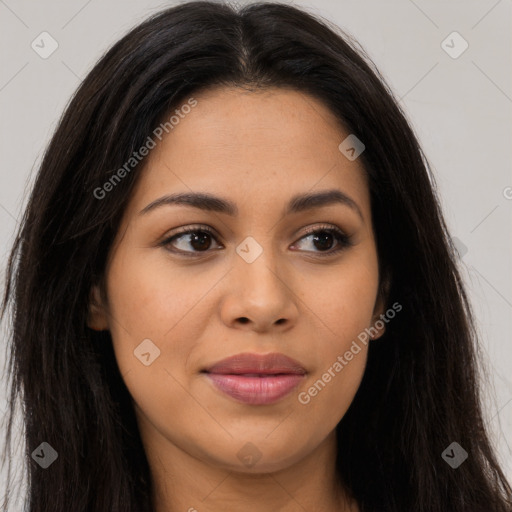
{"x": 259, "y": 283}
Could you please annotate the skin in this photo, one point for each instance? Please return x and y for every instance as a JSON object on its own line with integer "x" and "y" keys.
{"x": 257, "y": 149}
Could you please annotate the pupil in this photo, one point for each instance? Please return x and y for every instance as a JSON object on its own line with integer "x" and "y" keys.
{"x": 322, "y": 239}
{"x": 201, "y": 238}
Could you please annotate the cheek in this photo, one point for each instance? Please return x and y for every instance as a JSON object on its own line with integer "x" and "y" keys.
{"x": 148, "y": 302}
{"x": 341, "y": 310}
{"x": 342, "y": 301}
{"x": 152, "y": 330}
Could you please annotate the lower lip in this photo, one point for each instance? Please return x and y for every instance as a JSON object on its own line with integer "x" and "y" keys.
{"x": 256, "y": 390}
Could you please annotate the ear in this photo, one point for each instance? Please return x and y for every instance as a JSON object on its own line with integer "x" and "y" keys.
{"x": 380, "y": 308}
{"x": 97, "y": 318}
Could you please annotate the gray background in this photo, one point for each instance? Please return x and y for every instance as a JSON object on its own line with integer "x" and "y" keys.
{"x": 459, "y": 107}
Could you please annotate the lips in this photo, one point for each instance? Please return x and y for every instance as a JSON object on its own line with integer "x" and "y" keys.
{"x": 256, "y": 379}
{"x": 257, "y": 364}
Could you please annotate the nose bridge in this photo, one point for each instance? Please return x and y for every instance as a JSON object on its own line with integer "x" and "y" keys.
{"x": 256, "y": 264}
{"x": 261, "y": 294}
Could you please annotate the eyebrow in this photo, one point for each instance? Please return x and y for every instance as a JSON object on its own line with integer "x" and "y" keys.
{"x": 209, "y": 202}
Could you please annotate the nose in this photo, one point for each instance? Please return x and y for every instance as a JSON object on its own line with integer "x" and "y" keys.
{"x": 260, "y": 297}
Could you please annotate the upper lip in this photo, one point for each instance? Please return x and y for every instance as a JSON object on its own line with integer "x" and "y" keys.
{"x": 268, "y": 364}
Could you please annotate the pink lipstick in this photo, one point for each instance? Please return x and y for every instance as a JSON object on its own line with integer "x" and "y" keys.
{"x": 256, "y": 379}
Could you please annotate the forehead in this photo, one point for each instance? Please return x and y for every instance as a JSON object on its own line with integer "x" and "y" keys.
{"x": 256, "y": 146}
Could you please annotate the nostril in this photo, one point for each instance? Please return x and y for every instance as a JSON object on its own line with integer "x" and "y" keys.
{"x": 244, "y": 320}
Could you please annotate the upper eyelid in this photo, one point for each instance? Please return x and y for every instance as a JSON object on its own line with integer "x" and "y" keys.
{"x": 202, "y": 227}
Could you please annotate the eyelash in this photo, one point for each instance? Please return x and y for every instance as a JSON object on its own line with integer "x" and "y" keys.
{"x": 344, "y": 241}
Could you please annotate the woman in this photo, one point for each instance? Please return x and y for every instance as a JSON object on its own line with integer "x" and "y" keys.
{"x": 233, "y": 288}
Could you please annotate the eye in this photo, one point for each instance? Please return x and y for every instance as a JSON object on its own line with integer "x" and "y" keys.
{"x": 199, "y": 238}
{"x": 324, "y": 237}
